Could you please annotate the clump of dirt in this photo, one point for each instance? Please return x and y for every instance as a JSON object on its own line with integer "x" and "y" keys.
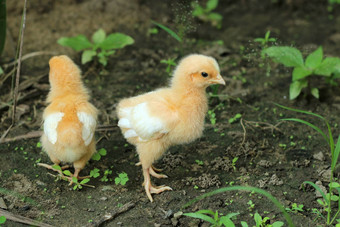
{"x": 172, "y": 161}
{"x": 273, "y": 180}
{"x": 221, "y": 164}
{"x": 206, "y": 180}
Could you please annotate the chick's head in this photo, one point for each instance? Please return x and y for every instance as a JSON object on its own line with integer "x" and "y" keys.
{"x": 197, "y": 71}
{"x": 63, "y": 73}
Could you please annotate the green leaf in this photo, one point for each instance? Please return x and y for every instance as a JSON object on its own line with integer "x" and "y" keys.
{"x": 96, "y": 157}
{"x": 230, "y": 215}
{"x": 314, "y": 59}
{"x": 87, "y": 56}
{"x": 206, "y": 212}
{"x": 328, "y": 66}
{"x": 102, "y": 59}
{"x": 335, "y": 156}
{"x": 56, "y": 167}
{"x": 67, "y": 173}
{"x": 201, "y": 216}
{"x": 227, "y": 222}
{"x": 116, "y": 41}
{"x": 288, "y": 56}
{"x": 102, "y": 151}
{"x": 244, "y": 224}
{"x": 278, "y": 224}
{"x": 2, "y": 219}
{"x": 315, "y": 92}
{"x": 258, "y": 219}
{"x": 117, "y": 180}
{"x": 300, "y": 73}
{"x": 84, "y": 181}
{"x": 77, "y": 43}
{"x": 1, "y": 71}
{"x": 99, "y": 36}
{"x": 74, "y": 180}
{"x": 168, "y": 30}
{"x": 211, "y": 5}
{"x": 334, "y": 185}
{"x": 215, "y": 16}
{"x": 296, "y": 87}
{"x": 198, "y": 10}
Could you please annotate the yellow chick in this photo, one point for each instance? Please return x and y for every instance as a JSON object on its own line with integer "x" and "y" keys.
{"x": 69, "y": 119}
{"x": 168, "y": 116}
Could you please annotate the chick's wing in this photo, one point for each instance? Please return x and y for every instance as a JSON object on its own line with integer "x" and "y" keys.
{"x": 89, "y": 126}
{"x": 50, "y": 126}
{"x": 147, "y": 120}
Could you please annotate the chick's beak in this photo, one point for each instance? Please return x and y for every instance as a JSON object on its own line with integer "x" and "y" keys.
{"x": 218, "y": 80}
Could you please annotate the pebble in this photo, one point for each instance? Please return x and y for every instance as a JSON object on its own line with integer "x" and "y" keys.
{"x": 2, "y": 204}
{"x": 103, "y": 198}
{"x": 319, "y": 156}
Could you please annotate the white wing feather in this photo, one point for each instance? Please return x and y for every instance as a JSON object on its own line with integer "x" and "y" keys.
{"x": 50, "y": 126}
{"x": 140, "y": 123}
{"x": 89, "y": 126}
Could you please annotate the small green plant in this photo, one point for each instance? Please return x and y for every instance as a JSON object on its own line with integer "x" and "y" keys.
{"x": 213, "y": 218}
{"x": 78, "y": 185}
{"x": 251, "y": 205}
{"x": 170, "y": 62}
{"x": 264, "y": 42}
{"x": 2, "y": 220}
{"x": 122, "y": 179}
{"x": 295, "y": 208}
{"x": 262, "y": 222}
{"x": 212, "y": 116}
{"x": 199, "y": 162}
{"x": 315, "y": 64}
{"x": 94, "y": 173}
{"x": 237, "y": 188}
{"x": 335, "y": 151}
{"x": 235, "y": 118}
{"x": 233, "y": 163}
{"x": 106, "y": 174}
{"x": 102, "y": 47}
{"x": 206, "y": 14}
{"x": 100, "y": 153}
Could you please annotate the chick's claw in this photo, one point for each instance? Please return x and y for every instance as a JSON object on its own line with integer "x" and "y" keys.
{"x": 154, "y": 174}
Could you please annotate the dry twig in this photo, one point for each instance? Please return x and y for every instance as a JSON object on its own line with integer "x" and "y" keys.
{"x": 112, "y": 215}
{"x": 22, "y": 219}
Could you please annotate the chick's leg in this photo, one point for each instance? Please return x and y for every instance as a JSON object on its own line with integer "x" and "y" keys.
{"x": 154, "y": 171}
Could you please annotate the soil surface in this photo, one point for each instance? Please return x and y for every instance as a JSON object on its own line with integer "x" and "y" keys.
{"x": 272, "y": 155}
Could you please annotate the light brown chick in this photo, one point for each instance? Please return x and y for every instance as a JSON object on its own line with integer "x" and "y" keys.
{"x": 69, "y": 119}
{"x": 168, "y": 116}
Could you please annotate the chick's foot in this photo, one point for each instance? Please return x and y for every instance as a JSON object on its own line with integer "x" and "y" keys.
{"x": 149, "y": 188}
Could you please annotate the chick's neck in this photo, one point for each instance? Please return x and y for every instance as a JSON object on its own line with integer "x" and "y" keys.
{"x": 60, "y": 91}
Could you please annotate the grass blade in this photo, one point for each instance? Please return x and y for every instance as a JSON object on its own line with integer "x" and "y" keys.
{"x": 317, "y": 188}
{"x": 243, "y": 188}
{"x": 336, "y": 155}
{"x": 301, "y": 111}
{"x": 2, "y": 25}
{"x": 310, "y": 125}
{"x": 200, "y": 216}
{"x": 168, "y": 30}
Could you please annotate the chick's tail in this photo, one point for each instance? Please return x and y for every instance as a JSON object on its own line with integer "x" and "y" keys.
{"x": 70, "y": 134}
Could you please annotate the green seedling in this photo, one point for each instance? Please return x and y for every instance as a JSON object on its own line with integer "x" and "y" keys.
{"x": 329, "y": 197}
{"x": 102, "y": 46}
{"x": 100, "y": 153}
{"x": 262, "y": 222}
{"x": 2, "y": 220}
{"x": 264, "y": 42}
{"x": 251, "y": 205}
{"x": 38, "y": 145}
{"x": 78, "y": 185}
{"x": 121, "y": 179}
{"x": 235, "y": 118}
{"x": 295, "y": 208}
{"x": 212, "y": 116}
{"x": 94, "y": 173}
{"x": 106, "y": 174}
{"x": 239, "y": 188}
{"x": 233, "y": 163}
{"x": 170, "y": 63}
{"x": 199, "y": 162}
{"x": 213, "y": 218}
{"x": 206, "y": 14}
{"x": 315, "y": 64}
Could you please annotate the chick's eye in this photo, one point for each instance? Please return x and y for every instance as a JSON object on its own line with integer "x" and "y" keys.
{"x": 204, "y": 74}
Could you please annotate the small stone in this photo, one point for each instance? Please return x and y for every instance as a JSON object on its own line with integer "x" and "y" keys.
{"x": 319, "y": 156}
{"x": 103, "y": 198}
{"x": 90, "y": 210}
{"x": 107, "y": 188}
{"x": 178, "y": 214}
{"x": 40, "y": 183}
{"x": 2, "y": 204}
{"x": 323, "y": 189}
{"x": 157, "y": 225}
{"x": 119, "y": 223}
